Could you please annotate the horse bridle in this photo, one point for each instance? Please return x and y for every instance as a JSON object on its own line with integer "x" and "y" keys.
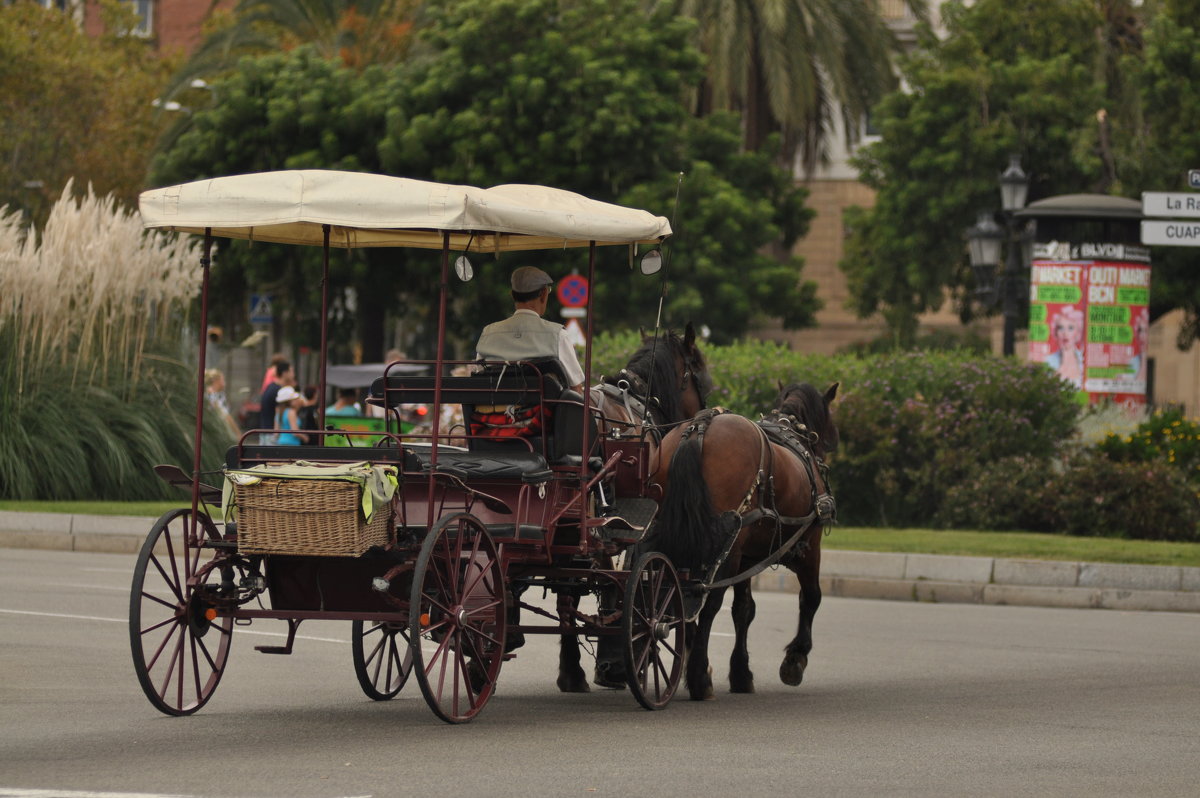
{"x": 689, "y": 373}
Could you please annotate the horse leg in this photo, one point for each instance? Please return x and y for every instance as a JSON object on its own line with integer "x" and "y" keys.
{"x": 741, "y": 678}
{"x": 699, "y": 673}
{"x": 795, "y": 658}
{"x": 571, "y": 678}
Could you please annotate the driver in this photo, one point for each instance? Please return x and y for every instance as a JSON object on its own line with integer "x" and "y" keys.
{"x": 525, "y": 334}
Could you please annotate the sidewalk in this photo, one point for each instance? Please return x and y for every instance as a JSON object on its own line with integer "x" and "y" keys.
{"x": 850, "y": 574}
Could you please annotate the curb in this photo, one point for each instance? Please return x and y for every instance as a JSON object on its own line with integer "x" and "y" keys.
{"x": 847, "y": 574}
{"x": 986, "y": 580}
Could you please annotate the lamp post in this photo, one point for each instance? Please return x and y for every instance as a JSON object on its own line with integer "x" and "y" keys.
{"x": 985, "y": 237}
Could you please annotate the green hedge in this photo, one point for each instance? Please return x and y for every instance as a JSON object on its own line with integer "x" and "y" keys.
{"x": 968, "y": 440}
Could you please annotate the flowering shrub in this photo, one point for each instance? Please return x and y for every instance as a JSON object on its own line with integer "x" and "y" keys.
{"x": 921, "y": 422}
{"x": 1100, "y": 497}
{"x": 953, "y": 438}
{"x": 1166, "y": 437}
{"x": 1006, "y": 494}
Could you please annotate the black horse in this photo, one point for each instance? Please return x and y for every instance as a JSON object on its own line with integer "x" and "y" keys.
{"x": 736, "y": 491}
{"x": 665, "y": 383}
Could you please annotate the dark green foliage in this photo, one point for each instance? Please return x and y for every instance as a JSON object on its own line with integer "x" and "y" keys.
{"x": 89, "y": 444}
{"x": 1099, "y": 497}
{"x": 585, "y": 95}
{"x": 1009, "y": 77}
{"x": 1008, "y": 493}
{"x": 918, "y": 423}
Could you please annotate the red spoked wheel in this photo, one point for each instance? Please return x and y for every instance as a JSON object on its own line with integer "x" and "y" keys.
{"x": 179, "y": 640}
{"x": 653, "y": 623}
{"x": 381, "y": 661}
{"x": 457, "y": 622}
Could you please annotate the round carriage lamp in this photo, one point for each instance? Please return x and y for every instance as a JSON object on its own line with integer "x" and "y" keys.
{"x": 984, "y": 238}
{"x": 1014, "y": 185}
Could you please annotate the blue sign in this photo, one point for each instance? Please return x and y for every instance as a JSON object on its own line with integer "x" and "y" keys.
{"x": 260, "y": 309}
{"x": 1194, "y": 178}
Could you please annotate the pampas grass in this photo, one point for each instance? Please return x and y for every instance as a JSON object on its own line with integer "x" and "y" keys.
{"x": 95, "y": 385}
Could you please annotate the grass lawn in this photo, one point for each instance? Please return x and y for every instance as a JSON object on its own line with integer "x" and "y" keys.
{"x": 1008, "y": 545}
{"x": 1013, "y": 545}
{"x": 147, "y": 509}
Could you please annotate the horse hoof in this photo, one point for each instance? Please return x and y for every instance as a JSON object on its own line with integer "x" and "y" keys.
{"x": 573, "y": 683}
{"x": 610, "y": 675}
{"x": 741, "y": 686}
{"x": 791, "y": 672}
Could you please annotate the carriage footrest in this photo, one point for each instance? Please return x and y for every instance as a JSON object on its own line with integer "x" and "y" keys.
{"x": 626, "y": 515}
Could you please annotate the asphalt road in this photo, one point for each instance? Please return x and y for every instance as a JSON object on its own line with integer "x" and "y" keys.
{"x": 900, "y": 699}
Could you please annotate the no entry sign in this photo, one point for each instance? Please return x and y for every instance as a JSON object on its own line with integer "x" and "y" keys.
{"x": 573, "y": 291}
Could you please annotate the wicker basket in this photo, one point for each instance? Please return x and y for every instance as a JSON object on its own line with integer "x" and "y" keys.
{"x": 315, "y": 517}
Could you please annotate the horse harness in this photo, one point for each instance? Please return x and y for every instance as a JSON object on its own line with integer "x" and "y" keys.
{"x": 790, "y": 433}
{"x": 632, "y": 392}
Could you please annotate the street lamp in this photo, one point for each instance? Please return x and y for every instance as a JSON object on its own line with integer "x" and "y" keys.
{"x": 985, "y": 237}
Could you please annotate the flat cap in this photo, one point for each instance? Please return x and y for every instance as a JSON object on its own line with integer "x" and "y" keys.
{"x": 529, "y": 278}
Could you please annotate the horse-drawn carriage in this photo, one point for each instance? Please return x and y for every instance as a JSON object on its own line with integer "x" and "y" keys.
{"x": 424, "y": 545}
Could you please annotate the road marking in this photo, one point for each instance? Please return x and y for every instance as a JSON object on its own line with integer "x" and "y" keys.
{"x": 17, "y": 792}
{"x": 126, "y": 620}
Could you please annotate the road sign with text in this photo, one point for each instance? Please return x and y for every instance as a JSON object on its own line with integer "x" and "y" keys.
{"x": 1171, "y": 205}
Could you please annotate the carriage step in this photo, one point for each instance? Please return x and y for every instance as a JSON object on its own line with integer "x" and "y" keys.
{"x": 628, "y": 514}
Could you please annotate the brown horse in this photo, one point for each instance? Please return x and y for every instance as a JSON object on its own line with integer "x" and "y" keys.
{"x": 664, "y": 384}
{"x": 739, "y": 493}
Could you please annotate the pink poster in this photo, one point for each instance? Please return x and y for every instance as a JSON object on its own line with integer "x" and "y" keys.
{"x": 1089, "y": 321}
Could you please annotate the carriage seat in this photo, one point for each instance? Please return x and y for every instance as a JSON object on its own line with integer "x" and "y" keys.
{"x": 506, "y": 384}
{"x": 510, "y": 463}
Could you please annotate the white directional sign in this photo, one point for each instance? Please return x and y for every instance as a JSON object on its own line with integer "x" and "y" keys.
{"x": 1171, "y": 204}
{"x": 1160, "y": 232}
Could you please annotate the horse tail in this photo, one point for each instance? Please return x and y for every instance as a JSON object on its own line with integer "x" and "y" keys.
{"x": 686, "y": 526}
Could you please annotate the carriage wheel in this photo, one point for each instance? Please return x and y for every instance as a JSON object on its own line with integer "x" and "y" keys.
{"x": 381, "y": 662}
{"x": 457, "y": 622}
{"x": 653, "y": 624}
{"x": 179, "y": 643}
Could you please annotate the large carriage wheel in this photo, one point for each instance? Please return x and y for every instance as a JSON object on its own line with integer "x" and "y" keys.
{"x": 653, "y": 625}
{"x": 381, "y": 661}
{"x": 457, "y": 622}
{"x": 179, "y": 643}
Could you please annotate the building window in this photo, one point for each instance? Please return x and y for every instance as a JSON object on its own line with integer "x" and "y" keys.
{"x": 145, "y": 12}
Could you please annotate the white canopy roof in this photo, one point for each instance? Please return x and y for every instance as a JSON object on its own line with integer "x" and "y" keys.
{"x": 366, "y": 210}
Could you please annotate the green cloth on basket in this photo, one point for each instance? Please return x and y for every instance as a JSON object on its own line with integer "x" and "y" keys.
{"x": 378, "y": 482}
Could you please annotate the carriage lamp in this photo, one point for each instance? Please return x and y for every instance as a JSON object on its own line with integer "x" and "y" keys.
{"x": 984, "y": 238}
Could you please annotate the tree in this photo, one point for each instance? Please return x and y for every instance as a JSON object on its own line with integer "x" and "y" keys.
{"x": 790, "y": 66}
{"x": 1008, "y": 78}
{"x": 73, "y": 106}
{"x": 357, "y": 32}
{"x": 1158, "y": 152}
{"x": 578, "y": 94}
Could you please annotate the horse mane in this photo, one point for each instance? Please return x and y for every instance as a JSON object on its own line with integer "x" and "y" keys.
{"x": 805, "y": 402}
{"x": 655, "y": 365}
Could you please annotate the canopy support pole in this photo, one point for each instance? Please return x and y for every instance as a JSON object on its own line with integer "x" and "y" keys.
{"x": 443, "y": 291}
{"x": 324, "y": 336}
{"x": 587, "y": 368}
{"x": 205, "y": 264}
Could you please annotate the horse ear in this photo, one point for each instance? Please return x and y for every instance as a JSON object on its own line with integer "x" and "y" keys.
{"x": 689, "y": 336}
{"x": 780, "y": 384}
{"x": 831, "y": 393}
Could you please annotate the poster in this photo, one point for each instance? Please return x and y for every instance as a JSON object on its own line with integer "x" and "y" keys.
{"x": 1089, "y": 317}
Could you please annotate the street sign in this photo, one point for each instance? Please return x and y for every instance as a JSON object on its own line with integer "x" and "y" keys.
{"x": 573, "y": 313}
{"x": 1170, "y": 234}
{"x": 260, "y": 309}
{"x": 573, "y": 291}
{"x": 1171, "y": 204}
{"x": 1194, "y": 178}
